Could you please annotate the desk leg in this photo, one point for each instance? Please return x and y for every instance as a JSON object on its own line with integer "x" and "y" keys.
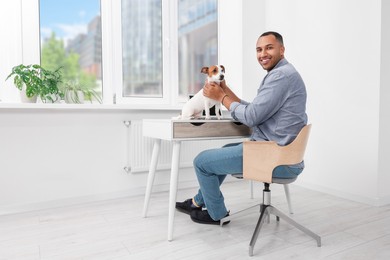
{"x": 173, "y": 186}
{"x": 152, "y": 170}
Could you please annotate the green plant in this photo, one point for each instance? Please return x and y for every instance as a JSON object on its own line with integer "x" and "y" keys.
{"x": 71, "y": 90}
{"x": 38, "y": 81}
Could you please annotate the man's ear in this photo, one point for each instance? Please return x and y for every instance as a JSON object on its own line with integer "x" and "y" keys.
{"x": 205, "y": 70}
{"x": 282, "y": 49}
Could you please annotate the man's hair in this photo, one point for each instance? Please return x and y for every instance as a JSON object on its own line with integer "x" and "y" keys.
{"x": 278, "y": 37}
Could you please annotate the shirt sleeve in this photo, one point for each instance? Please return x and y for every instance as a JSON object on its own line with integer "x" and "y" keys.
{"x": 270, "y": 98}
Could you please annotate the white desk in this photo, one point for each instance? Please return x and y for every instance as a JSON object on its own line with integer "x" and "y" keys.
{"x": 177, "y": 131}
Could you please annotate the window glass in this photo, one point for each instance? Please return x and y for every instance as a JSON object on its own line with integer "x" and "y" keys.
{"x": 142, "y": 48}
{"x": 71, "y": 38}
{"x": 198, "y": 42}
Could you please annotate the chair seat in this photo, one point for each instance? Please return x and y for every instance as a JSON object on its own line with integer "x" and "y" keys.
{"x": 283, "y": 180}
{"x": 274, "y": 180}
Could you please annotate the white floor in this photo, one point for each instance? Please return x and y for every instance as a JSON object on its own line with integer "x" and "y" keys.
{"x": 114, "y": 229}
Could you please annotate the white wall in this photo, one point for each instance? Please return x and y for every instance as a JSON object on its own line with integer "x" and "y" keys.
{"x": 384, "y": 123}
{"x": 230, "y": 42}
{"x": 338, "y": 50}
{"x": 336, "y": 45}
{"x": 9, "y": 49}
{"x": 253, "y": 25}
{"x": 59, "y": 157}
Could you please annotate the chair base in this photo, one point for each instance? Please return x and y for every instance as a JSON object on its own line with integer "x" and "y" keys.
{"x": 266, "y": 211}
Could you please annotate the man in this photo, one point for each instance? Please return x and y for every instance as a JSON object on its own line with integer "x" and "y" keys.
{"x": 277, "y": 113}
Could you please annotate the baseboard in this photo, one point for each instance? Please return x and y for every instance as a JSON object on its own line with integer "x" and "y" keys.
{"x": 372, "y": 201}
{"x": 140, "y": 191}
{"x": 28, "y": 207}
{"x": 383, "y": 201}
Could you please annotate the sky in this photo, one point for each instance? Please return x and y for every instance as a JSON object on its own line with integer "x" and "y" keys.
{"x": 66, "y": 18}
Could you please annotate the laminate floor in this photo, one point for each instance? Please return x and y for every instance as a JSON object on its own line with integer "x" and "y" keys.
{"x": 114, "y": 229}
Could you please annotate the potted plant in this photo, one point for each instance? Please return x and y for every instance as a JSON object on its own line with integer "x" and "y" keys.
{"x": 76, "y": 93}
{"x": 35, "y": 81}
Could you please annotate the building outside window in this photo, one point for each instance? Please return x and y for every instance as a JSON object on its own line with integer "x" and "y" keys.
{"x": 142, "y": 48}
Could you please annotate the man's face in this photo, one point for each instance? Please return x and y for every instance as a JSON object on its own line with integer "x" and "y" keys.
{"x": 269, "y": 52}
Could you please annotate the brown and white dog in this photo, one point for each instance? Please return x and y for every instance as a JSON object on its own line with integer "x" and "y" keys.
{"x": 195, "y": 106}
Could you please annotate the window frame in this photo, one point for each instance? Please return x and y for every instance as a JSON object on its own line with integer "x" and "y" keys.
{"x": 168, "y": 50}
{"x": 112, "y": 52}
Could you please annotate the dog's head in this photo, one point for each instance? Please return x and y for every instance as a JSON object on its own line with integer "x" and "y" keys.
{"x": 215, "y": 73}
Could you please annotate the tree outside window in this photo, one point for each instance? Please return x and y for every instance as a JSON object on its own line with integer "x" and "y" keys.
{"x": 71, "y": 40}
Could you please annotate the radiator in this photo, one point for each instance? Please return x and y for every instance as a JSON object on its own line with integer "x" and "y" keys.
{"x": 139, "y": 149}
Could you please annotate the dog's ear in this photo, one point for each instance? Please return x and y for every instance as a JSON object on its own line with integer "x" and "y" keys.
{"x": 223, "y": 68}
{"x": 205, "y": 70}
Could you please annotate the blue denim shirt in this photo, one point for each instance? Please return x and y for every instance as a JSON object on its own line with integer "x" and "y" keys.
{"x": 278, "y": 112}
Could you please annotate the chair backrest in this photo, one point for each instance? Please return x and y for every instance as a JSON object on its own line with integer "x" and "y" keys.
{"x": 261, "y": 157}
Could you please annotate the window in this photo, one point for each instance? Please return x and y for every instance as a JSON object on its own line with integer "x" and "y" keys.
{"x": 142, "y": 48}
{"x": 138, "y": 52}
{"x": 198, "y": 42}
{"x": 71, "y": 39}
{"x": 161, "y": 64}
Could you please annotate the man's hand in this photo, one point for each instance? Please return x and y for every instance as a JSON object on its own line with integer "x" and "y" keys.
{"x": 214, "y": 91}
{"x": 223, "y": 85}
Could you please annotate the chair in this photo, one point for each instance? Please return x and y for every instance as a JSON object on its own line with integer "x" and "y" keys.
{"x": 259, "y": 160}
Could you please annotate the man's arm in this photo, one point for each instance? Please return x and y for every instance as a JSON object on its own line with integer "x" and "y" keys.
{"x": 230, "y": 98}
{"x": 221, "y": 92}
{"x": 270, "y": 98}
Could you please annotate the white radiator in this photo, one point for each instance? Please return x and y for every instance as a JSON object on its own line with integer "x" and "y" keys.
{"x": 139, "y": 149}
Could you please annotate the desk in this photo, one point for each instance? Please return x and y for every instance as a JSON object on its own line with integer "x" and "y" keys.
{"x": 177, "y": 131}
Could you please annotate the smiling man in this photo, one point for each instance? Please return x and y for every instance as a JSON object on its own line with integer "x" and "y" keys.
{"x": 270, "y": 50}
{"x": 277, "y": 113}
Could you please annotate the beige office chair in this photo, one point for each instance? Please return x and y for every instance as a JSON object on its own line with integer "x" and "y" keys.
{"x": 259, "y": 160}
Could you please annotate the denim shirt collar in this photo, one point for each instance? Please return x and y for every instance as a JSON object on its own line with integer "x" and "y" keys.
{"x": 281, "y": 63}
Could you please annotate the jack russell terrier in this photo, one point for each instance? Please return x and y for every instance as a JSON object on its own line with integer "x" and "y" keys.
{"x": 195, "y": 106}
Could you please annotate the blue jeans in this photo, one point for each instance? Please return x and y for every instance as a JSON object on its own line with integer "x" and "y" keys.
{"x": 212, "y": 166}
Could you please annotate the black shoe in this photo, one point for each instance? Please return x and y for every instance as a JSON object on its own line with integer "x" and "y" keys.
{"x": 203, "y": 217}
{"x": 187, "y": 207}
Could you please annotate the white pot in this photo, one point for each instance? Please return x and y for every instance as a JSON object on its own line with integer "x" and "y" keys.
{"x": 25, "y": 99}
{"x": 72, "y": 97}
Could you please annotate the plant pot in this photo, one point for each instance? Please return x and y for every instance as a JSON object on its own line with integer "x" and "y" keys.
{"x": 25, "y": 99}
{"x": 74, "y": 97}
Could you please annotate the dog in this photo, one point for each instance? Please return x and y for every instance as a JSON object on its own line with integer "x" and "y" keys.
{"x": 195, "y": 106}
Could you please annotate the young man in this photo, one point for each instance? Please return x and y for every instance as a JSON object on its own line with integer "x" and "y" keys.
{"x": 277, "y": 113}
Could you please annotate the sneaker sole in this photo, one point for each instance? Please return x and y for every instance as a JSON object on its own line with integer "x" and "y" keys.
{"x": 209, "y": 222}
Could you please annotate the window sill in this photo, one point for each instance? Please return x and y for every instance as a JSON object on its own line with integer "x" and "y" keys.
{"x": 55, "y": 106}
